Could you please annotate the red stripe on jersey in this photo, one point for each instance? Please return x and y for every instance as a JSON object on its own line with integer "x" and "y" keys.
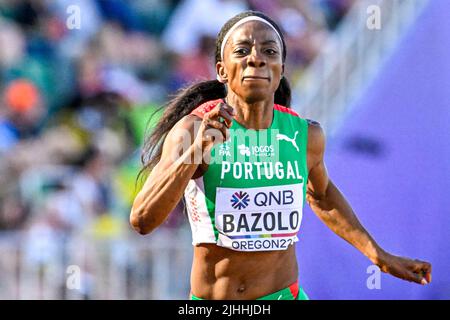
{"x": 294, "y": 289}
{"x": 209, "y": 105}
{"x": 205, "y": 107}
{"x": 285, "y": 110}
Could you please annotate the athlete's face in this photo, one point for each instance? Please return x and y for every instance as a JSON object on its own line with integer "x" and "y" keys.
{"x": 252, "y": 63}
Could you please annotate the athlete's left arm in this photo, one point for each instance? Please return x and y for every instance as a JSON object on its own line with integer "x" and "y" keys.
{"x": 330, "y": 205}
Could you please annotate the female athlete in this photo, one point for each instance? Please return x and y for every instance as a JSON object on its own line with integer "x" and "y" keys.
{"x": 245, "y": 163}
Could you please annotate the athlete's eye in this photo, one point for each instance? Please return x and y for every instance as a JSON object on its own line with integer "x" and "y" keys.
{"x": 271, "y": 52}
{"x": 241, "y": 51}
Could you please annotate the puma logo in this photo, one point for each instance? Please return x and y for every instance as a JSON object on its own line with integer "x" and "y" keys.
{"x": 280, "y": 136}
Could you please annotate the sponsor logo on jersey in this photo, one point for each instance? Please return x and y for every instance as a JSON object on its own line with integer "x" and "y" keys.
{"x": 263, "y": 150}
{"x": 239, "y": 200}
{"x": 244, "y": 150}
{"x": 224, "y": 149}
{"x": 284, "y": 137}
{"x": 259, "y": 151}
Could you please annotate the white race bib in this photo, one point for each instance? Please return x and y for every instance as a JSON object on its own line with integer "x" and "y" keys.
{"x": 259, "y": 219}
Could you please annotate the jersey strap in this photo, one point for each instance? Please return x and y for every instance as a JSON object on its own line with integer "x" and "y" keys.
{"x": 205, "y": 107}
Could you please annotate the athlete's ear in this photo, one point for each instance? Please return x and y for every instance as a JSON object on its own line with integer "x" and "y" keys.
{"x": 282, "y": 70}
{"x": 221, "y": 72}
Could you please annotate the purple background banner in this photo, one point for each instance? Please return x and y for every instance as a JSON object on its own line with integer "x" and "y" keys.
{"x": 391, "y": 159}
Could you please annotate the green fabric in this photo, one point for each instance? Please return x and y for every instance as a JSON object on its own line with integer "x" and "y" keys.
{"x": 284, "y": 153}
{"x": 283, "y": 294}
{"x": 302, "y": 294}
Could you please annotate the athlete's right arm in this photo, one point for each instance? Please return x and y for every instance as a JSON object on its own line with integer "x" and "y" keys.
{"x": 165, "y": 185}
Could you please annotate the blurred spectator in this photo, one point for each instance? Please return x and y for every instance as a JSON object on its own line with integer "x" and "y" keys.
{"x": 80, "y": 98}
{"x": 21, "y": 110}
{"x": 86, "y": 94}
{"x": 73, "y": 42}
{"x": 197, "y": 65}
{"x": 12, "y": 44}
{"x": 193, "y": 19}
{"x": 304, "y": 27}
{"x": 91, "y": 185}
{"x": 13, "y": 211}
{"x": 75, "y": 103}
{"x": 334, "y": 10}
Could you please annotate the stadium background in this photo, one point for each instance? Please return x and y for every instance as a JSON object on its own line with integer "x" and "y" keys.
{"x": 74, "y": 105}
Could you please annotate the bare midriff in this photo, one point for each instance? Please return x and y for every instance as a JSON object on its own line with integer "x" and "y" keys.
{"x": 221, "y": 273}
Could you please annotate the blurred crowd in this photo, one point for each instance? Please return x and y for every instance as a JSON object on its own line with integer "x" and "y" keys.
{"x": 79, "y": 80}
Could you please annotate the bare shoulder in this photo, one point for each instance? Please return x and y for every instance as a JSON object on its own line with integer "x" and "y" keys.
{"x": 316, "y": 143}
{"x": 316, "y": 137}
{"x": 187, "y": 122}
{"x": 180, "y": 138}
{"x": 185, "y": 128}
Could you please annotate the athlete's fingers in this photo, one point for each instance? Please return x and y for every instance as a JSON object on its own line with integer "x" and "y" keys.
{"x": 416, "y": 277}
{"x": 219, "y": 126}
{"x": 215, "y": 124}
{"x": 423, "y": 269}
{"x": 229, "y": 109}
{"x": 222, "y": 110}
{"x": 213, "y": 135}
{"x": 406, "y": 274}
{"x": 422, "y": 266}
{"x": 428, "y": 277}
{"x": 226, "y": 116}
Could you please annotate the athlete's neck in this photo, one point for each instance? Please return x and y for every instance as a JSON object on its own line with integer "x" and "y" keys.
{"x": 255, "y": 116}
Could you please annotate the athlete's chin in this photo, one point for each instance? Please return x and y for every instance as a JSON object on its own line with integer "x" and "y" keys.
{"x": 254, "y": 96}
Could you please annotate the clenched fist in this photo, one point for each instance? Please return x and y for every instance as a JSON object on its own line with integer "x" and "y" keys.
{"x": 215, "y": 126}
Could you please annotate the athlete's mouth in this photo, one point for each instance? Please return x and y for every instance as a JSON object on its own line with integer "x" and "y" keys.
{"x": 255, "y": 78}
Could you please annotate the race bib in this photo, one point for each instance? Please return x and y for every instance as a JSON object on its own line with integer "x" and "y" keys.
{"x": 259, "y": 219}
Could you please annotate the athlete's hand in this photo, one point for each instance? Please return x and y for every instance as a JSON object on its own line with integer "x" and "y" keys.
{"x": 215, "y": 126}
{"x": 407, "y": 269}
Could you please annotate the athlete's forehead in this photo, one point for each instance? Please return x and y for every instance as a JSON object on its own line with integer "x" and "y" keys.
{"x": 254, "y": 32}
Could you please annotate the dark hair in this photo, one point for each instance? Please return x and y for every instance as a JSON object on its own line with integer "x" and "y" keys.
{"x": 189, "y": 98}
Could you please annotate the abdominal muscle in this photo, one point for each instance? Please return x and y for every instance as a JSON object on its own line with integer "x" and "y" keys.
{"x": 221, "y": 273}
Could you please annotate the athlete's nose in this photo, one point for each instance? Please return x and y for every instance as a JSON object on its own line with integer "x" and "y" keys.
{"x": 255, "y": 59}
